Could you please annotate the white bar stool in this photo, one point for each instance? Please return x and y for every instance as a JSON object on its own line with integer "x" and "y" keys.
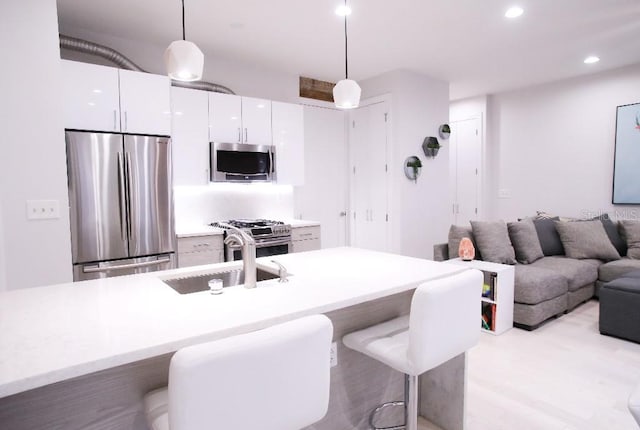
{"x": 271, "y": 379}
{"x": 444, "y": 322}
{"x": 634, "y": 404}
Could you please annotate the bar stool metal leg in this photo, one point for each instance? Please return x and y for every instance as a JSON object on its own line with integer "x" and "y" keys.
{"x": 410, "y": 405}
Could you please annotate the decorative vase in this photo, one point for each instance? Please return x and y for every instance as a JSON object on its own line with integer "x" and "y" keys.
{"x": 431, "y": 146}
{"x": 466, "y": 251}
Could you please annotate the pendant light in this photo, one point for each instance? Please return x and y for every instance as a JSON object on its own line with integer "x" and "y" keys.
{"x": 183, "y": 59}
{"x": 346, "y": 93}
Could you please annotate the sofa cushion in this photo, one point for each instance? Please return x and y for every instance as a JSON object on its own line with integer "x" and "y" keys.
{"x": 586, "y": 239}
{"x": 548, "y": 237}
{"x": 614, "y": 269}
{"x": 525, "y": 241}
{"x": 534, "y": 285}
{"x": 577, "y": 272}
{"x": 456, "y": 233}
{"x": 614, "y": 235}
{"x": 493, "y": 241}
{"x": 631, "y": 233}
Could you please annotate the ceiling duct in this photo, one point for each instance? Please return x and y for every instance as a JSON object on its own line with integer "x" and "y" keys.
{"x": 91, "y": 48}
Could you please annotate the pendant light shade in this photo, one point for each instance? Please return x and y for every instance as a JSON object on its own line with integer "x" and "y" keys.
{"x": 346, "y": 94}
{"x": 183, "y": 59}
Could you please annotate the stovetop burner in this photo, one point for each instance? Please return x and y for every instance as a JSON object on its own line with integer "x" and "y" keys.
{"x": 258, "y": 227}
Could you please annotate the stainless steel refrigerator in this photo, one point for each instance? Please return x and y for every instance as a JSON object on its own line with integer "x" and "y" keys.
{"x": 121, "y": 204}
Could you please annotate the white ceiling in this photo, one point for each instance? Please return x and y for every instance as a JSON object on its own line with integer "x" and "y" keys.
{"x": 466, "y": 42}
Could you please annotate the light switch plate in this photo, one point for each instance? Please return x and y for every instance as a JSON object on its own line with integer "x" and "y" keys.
{"x": 43, "y": 209}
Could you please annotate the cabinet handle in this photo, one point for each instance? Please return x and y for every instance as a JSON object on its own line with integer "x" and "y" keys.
{"x": 115, "y": 113}
{"x": 246, "y": 135}
{"x": 239, "y": 135}
{"x": 306, "y": 234}
{"x": 126, "y": 122}
{"x": 206, "y": 176}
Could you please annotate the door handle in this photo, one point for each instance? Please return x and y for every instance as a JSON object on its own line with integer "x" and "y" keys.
{"x": 129, "y": 196}
{"x": 122, "y": 196}
{"x": 246, "y": 135}
{"x": 94, "y": 269}
{"x": 343, "y": 213}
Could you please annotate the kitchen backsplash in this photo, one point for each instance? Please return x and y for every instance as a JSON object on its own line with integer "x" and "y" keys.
{"x": 217, "y": 202}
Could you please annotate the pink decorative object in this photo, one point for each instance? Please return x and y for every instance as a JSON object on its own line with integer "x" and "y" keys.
{"x": 466, "y": 251}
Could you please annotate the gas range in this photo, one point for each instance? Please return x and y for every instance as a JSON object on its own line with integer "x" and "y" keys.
{"x": 259, "y": 228}
{"x": 271, "y": 237}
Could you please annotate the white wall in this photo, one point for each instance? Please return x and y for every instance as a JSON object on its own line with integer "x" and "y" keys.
{"x": 196, "y": 206}
{"x": 245, "y": 79}
{"x": 419, "y": 211}
{"x": 554, "y": 145}
{"x": 33, "y": 161}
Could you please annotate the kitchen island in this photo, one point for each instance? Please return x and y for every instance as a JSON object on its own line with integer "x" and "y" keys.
{"x": 81, "y": 355}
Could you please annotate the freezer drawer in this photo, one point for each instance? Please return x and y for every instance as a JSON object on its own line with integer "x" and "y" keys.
{"x": 131, "y": 266}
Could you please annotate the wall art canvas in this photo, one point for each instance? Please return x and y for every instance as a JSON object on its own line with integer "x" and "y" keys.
{"x": 626, "y": 170}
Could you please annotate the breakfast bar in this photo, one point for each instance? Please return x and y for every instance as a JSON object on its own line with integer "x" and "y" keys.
{"x": 82, "y": 355}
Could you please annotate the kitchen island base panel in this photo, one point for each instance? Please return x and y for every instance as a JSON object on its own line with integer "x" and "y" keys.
{"x": 112, "y": 398}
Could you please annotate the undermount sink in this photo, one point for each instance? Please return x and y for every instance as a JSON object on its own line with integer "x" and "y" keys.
{"x": 197, "y": 283}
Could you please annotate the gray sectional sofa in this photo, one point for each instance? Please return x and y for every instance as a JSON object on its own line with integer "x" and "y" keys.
{"x": 557, "y": 276}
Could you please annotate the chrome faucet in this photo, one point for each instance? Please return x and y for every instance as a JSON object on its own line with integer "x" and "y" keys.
{"x": 248, "y": 245}
{"x": 282, "y": 272}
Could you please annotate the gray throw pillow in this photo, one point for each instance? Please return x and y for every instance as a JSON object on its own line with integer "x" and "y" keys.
{"x": 548, "y": 237}
{"x": 456, "y": 233}
{"x": 493, "y": 241}
{"x": 631, "y": 233}
{"x": 525, "y": 241}
{"x": 586, "y": 239}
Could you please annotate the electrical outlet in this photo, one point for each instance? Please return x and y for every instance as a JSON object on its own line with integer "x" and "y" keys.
{"x": 43, "y": 209}
{"x": 334, "y": 354}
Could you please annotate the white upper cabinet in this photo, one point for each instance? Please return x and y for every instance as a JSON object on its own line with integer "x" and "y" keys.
{"x": 91, "y": 97}
{"x": 101, "y": 98}
{"x": 256, "y": 121}
{"x": 235, "y": 119}
{"x": 190, "y": 136}
{"x": 288, "y": 138}
{"x": 145, "y": 103}
{"x": 225, "y": 118}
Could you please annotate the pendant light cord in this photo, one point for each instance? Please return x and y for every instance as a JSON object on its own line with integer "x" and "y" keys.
{"x": 346, "y": 53}
{"x": 183, "y": 34}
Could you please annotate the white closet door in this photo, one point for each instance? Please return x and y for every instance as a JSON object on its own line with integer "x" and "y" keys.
{"x": 466, "y": 151}
{"x": 368, "y": 140}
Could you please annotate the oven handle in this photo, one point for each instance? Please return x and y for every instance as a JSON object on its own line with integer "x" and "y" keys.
{"x": 272, "y": 243}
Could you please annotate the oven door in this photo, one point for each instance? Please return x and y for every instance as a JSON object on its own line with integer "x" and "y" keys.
{"x": 264, "y": 248}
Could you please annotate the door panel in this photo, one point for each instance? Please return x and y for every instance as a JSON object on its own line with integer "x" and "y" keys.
{"x": 145, "y": 103}
{"x": 98, "y": 223}
{"x": 466, "y": 157}
{"x": 225, "y": 118}
{"x": 148, "y": 161}
{"x": 323, "y": 197}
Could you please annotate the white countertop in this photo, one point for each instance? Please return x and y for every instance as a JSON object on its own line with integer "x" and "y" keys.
{"x": 49, "y": 334}
{"x": 297, "y": 223}
{"x": 193, "y": 230}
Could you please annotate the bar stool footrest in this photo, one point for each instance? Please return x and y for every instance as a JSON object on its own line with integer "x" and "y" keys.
{"x": 379, "y": 409}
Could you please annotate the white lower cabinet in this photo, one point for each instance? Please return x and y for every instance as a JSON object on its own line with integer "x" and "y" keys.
{"x": 305, "y": 238}
{"x": 198, "y": 250}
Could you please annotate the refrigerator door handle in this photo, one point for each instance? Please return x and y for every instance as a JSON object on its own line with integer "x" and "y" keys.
{"x": 95, "y": 269}
{"x": 127, "y": 158}
{"x": 122, "y": 196}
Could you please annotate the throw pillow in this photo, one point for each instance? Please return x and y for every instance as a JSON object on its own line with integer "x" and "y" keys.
{"x": 631, "y": 233}
{"x": 614, "y": 235}
{"x": 493, "y": 241}
{"x": 548, "y": 237}
{"x": 586, "y": 239}
{"x": 525, "y": 241}
{"x": 456, "y": 233}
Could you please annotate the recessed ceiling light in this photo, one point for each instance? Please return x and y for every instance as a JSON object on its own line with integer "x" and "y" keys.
{"x": 343, "y": 10}
{"x": 591, "y": 59}
{"x": 514, "y": 12}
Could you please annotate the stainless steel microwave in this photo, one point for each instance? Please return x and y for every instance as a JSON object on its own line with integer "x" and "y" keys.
{"x": 241, "y": 162}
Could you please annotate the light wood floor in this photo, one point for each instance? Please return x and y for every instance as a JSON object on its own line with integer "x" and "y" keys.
{"x": 562, "y": 376}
